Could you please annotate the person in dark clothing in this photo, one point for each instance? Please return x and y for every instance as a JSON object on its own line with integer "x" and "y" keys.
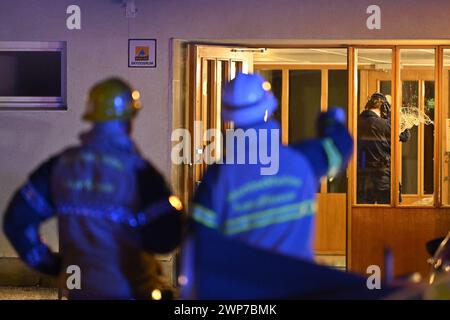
{"x": 374, "y": 151}
{"x": 113, "y": 207}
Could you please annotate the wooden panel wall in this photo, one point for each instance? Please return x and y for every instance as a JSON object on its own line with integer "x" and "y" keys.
{"x": 331, "y": 224}
{"x": 404, "y": 230}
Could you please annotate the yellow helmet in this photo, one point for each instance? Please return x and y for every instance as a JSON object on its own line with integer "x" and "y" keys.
{"x": 111, "y": 99}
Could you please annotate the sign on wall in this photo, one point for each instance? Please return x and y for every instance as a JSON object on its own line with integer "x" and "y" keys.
{"x": 142, "y": 53}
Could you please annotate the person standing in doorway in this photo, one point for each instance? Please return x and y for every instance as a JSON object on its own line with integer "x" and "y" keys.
{"x": 374, "y": 151}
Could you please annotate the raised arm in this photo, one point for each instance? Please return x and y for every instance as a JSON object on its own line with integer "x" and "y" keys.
{"x": 405, "y": 135}
{"x": 330, "y": 152}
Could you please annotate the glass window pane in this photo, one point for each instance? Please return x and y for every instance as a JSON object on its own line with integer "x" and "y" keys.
{"x": 373, "y": 183}
{"x": 30, "y": 73}
{"x": 410, "y": 101}
{"x": 446, "y": 130}
{"x": 417, "y": 126}
{"x": 275, "y": 79}
{"x": 305, "y": 89}
{"x": 386, "y": 87}
{"x": 304, "y": 103}
{"x": 338, "y": 96}
{"x": 318, "y": 81}
{"x": 428, "y": 185}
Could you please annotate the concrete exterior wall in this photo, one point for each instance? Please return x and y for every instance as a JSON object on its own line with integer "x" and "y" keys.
{"x": 100, "y": 50}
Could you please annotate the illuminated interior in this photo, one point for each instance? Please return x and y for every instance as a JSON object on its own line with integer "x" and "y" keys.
{"x": 309, "y": 80}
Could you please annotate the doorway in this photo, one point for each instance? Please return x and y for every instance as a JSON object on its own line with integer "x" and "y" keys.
{"x": 305, "y": 82}
{"x": 307, "y": 79}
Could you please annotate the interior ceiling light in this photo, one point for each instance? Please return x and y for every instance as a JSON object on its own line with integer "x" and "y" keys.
{"x": 260, "y": 50}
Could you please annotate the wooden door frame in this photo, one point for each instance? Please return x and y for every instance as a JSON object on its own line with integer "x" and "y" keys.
{"x": 198, "y": 58}
{"x": 351, "y": 46}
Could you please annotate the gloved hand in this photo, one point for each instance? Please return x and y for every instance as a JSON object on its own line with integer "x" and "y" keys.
{"x": 405, "y": 135}
{"x": 386, "y": 110}
{"x": 333, "y": 116}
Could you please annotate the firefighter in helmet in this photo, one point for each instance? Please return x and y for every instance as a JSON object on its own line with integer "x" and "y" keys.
{"x": 114, "y": 209}
{"x": 273, "y": 211}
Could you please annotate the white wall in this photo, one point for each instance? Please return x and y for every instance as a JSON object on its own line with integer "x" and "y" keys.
{"x": 100, "y": 50}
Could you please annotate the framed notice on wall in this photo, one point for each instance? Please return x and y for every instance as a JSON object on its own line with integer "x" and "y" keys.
{"x": 142, "y": 53}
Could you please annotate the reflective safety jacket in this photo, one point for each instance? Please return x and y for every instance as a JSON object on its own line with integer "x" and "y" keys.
{"x": 273, "y": 212}
{"x": 113, "y": 214}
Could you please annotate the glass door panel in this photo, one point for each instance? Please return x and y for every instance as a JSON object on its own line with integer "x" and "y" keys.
{"x": 374, "y": 147}
{"x": 416, "y": 113}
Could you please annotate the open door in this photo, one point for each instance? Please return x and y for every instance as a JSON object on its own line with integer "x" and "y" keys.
{"x": 303, "y": 90}
{"x": 210, "y": 67}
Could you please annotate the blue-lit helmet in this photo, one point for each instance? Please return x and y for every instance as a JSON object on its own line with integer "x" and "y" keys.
{"x": 247, "y": 99}
{"x": 111, "y": 99}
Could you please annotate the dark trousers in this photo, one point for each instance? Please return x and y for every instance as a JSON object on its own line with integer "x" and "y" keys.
{"x": 373, "y": 187}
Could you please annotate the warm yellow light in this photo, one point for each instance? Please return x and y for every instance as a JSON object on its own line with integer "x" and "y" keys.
{"x": 137, "y": 104}
{"x": 156, "y": 294}
{"x": 135, "y": 95}
{"x": 176, "y": 202}
{"x": 416, "y": 277}
{"x": 266, "y": 85}
{"x": 431, "y": 279}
